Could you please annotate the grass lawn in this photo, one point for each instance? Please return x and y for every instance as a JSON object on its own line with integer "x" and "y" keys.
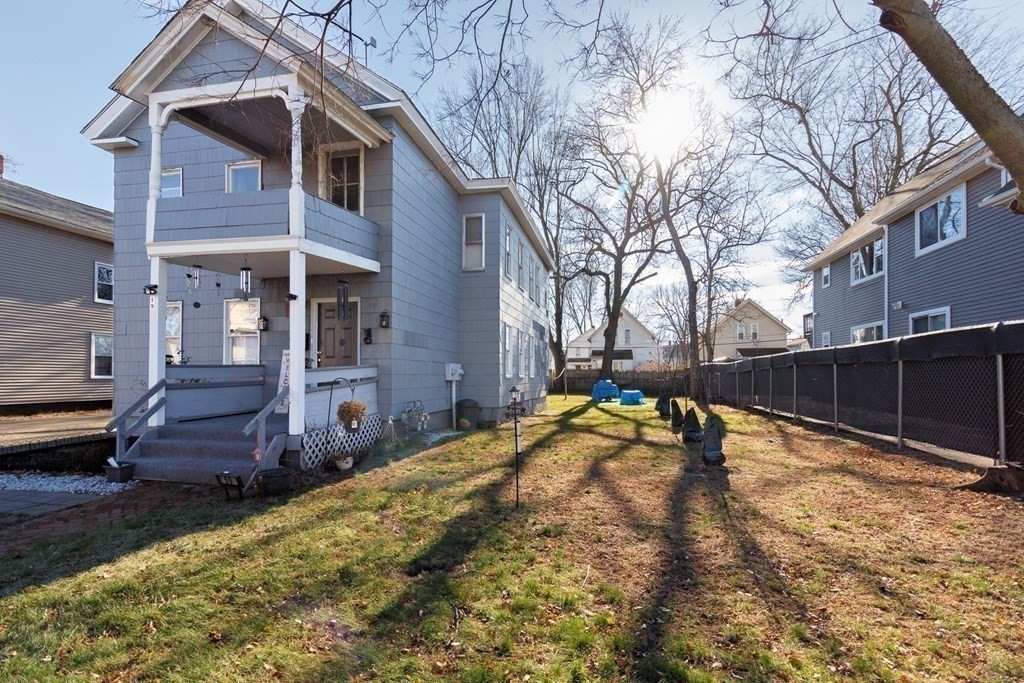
{"x": 810, "y": 558}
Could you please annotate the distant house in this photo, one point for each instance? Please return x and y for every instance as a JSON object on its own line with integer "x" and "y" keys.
{"x": 745, "y": 330}
{"x": 634, "y": 345}
{"x": 940, "y": 251}
{"x": 56, "y": 301}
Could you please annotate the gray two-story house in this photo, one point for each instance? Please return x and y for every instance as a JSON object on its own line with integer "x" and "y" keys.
{"x": 56, "y": 302}
{"x": 292, "y": 228}
{"x": 941, "y": 251}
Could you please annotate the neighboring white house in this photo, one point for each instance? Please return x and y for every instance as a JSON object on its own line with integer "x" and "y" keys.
{"x": 746, "y": 329}
{"x": 634, "y": 344}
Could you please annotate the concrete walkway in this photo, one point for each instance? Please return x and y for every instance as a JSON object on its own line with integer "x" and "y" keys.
{"x": 40, "y": 502}
{"x": 23, "y": 433}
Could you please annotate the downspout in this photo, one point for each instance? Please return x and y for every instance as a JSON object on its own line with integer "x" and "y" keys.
{"x": 885, "y": 284}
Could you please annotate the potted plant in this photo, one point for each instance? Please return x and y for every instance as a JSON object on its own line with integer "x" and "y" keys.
{"x": 351, "y": 415}
{"x": 119, "y": 472}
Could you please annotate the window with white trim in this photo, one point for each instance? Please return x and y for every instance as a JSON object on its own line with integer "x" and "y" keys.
{"x": 508, "y": 250}
{"x": 941, "y": 222}
{"x": 626, "y": 335}
{"x": 531, "y": 360}
{"x": 867, "y": 333}
{"x": 244, "y": 176}
{"x": 533, "y": 280}
{"x": 344, "y": 176}
{"x": 241, "y": 332}
{"x": 741, "y": 332}
{"x": 753, "y": 331}
{"x": 103, "y": 283}
{"x": 521, "y": 353}
{"x": 173, "y": 332}
{"x": 867, "y": 261}
{"x": 102, "y": 353}
{"x": 507, "y": 345}
{"x": 473, "y": 242}
{"x": 826, "y": 275}
{"x": 170, "y": 183}
{"x": 929, "y": 321}
{"x": 826, "y": 339}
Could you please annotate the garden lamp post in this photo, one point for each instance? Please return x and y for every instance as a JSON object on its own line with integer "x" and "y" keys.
{"x": 515, "y": 410}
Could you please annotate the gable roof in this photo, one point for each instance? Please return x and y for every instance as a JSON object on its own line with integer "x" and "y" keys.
{"x": 48, "y": 209}
{"x": 949, "y": 168}
{"x": 589, "y": 335}
{"x": 746, "y": 301}
{"x": 193, "y": 20}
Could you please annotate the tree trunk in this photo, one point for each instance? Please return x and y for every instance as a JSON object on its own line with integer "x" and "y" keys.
{"x": 981, "y": 106}
{"x": 610, "y": 332}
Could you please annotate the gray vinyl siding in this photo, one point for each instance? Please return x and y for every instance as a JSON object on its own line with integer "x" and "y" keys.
{"x": 843, "y": 305}
{"x": 218, "y": 58}
{"x": 48, "y": 314}
{"x": 979, "y": 277}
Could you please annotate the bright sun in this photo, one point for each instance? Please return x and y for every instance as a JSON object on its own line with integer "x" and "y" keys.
{"x": 666, "y": 126}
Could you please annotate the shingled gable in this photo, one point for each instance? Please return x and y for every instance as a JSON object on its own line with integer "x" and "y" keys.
{"x": 292, "y": 45}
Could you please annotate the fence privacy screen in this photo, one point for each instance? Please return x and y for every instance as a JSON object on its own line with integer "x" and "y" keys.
{"x": 960, "y": 389}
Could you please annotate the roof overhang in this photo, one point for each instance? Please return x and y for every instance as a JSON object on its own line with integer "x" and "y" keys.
{"x": 828, "y": 257}
{"x": 28, "y": 215}
{"x": 968, "y": 170}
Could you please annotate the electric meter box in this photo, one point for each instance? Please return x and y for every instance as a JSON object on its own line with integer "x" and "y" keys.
{"x": 453, "y": 372}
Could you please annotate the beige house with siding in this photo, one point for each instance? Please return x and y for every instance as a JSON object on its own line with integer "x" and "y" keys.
{"x": 747, "y": 329}
{"x": 56, "y": 301}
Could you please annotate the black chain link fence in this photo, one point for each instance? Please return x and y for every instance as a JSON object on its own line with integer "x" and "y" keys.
{"x": 954, "y": 395}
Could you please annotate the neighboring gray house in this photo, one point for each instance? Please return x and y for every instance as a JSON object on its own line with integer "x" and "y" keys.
{"x": 941, "y": 251}
{"x": 225, "y": 160}
{"x": 56, "y": 307}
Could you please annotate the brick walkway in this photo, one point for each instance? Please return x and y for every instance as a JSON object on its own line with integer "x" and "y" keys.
{"x": 104, "y": 512}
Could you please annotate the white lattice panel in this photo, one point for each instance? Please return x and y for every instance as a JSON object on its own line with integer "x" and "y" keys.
{"x": 321, "y": 444}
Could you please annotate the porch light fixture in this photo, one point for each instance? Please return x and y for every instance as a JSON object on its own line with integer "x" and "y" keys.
{"x": 342, "y": 300}
{"x": 149, "y": 290}
{"x": 194, "y": 277}
{"x": 291, "y": 297}
{"x": 385, "y": 319}
{"x": 263, "y": 323}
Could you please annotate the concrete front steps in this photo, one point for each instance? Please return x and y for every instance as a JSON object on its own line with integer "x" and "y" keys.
{"x": 194, "y": 452}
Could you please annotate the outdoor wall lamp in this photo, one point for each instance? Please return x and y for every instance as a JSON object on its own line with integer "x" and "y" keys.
{"x": 263, "y": 323}
{"x": 385, "y": 319}
{"x": 368, "y": 335}
{"x": 149, "y": 290}
{"x": 291, "y": 297}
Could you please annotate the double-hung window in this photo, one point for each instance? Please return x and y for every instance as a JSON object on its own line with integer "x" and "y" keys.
{"x": 741, "y": 332}
{"x": 625, "y": 336}
{"x": 533, "y": 281}
{"x": 170, "y": 183}
{"x": 522, "y": 264}
{"x": 867, "y": 333}
{"x": 868, "y": 260}
{"x": 244, "y": 176}
{"x": 941, "y": 222}
{"x": 507, "y": 345}
{"x": 103, "y": 283}
{"x": 929, "y": 321}
{"x": 520, "y": 353}
{"x": 241, "y": 332}
{"x": 826, "y": 339}
{"x": 343, "y": 179}
{"x": 473, "y": 242}
{"x": 826, "y": 275}
{"x": 753, "y": 331}
{"x": 173, "y": 333}
{"x": 102, "y": 365}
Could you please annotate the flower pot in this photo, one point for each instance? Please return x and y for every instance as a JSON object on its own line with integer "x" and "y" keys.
{"x": 120, "y": 474}
{"x": 277, "y": 480}
{"x": 353, "y": 426}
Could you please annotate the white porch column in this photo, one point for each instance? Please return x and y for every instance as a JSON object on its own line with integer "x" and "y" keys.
{"x": 157, "y": 331}
{"x": 155, "y": 169}
{"x": 297, "y": 343}
{"x": 296, "y": 102}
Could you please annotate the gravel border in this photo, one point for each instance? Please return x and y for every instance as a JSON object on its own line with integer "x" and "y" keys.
{"x": 95, "y": 484}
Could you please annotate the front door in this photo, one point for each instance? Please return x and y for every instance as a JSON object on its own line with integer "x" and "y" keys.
{"x": 337, "y": 343}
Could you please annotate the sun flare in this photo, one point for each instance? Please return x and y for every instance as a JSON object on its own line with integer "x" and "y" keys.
{"x": 664, "y": 128}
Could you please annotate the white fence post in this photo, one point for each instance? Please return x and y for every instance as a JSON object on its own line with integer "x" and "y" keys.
{"x": 1001, "y": 407}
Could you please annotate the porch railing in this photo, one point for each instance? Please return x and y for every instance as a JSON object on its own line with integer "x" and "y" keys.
{"x": 259, "y": 423}
{"x": 120, "y": 423}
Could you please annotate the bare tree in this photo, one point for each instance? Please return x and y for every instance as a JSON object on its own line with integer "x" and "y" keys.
{"x": 842, "y": 117}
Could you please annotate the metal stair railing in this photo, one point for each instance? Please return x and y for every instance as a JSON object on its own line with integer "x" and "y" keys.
{"x": 260, "y": 421}
{"x": 119, "y": 422}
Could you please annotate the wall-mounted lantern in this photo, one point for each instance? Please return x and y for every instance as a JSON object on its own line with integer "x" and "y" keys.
{"x": 263, "y": 323}
{"x": 368, "y": 335}
{"x": 149, "y": 290}
{"x": 385, "y": 319}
